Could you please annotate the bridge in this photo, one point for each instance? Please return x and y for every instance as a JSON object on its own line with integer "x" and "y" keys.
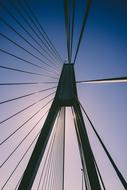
{"x": 37, "y": 127}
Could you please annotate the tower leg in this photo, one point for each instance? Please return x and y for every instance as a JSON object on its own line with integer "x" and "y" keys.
{"x": 87, "y": 153}
{"x": 34, "y": 162}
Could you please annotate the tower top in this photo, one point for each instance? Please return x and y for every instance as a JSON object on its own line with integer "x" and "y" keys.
{"x": 66, "y": 91}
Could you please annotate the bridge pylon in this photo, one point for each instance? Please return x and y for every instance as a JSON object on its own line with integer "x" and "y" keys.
{"x": 66, "y": 96}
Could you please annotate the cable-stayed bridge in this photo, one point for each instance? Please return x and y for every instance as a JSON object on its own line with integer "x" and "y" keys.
{"x": 38, "y": 123}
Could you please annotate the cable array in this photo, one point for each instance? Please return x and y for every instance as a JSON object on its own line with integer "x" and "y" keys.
{"x": 52, "y": 175}
{"x": 77, "y": 121}
{"x": 69, "y": 14}
{"x": 15, "y": 5}
{"x": 119, "y": 174}
{"x": 34, "y": 58}
{"x": 82, "y": 28}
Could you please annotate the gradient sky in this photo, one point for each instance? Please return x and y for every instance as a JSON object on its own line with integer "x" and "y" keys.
{"x": 103, "y": 54}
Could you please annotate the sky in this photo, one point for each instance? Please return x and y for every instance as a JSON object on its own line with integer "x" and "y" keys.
{"x": 102, "y": 55}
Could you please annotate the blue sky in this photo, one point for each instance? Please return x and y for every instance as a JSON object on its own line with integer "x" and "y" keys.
{"x": 103, "y": 54}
